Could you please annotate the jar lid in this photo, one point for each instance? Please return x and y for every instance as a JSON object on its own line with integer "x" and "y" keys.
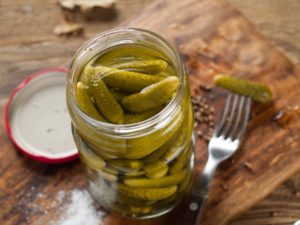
{"x": 37, "y": 119}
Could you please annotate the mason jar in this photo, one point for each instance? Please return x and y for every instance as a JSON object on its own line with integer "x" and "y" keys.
{"x": 142, "y": 168}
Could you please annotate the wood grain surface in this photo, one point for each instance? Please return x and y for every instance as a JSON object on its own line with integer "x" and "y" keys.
{"x": 227, "y": 43}
{"x": 28, "y": 189}
{"x": 276, "y": 19}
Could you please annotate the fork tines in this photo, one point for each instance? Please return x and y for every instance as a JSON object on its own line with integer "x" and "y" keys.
{"x": 234, "y": 117}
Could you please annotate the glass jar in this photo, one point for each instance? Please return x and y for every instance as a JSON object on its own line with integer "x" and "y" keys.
{"x": 140, "y": 169}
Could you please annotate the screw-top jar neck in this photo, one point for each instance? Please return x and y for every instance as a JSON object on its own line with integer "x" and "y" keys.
{"x": 114, "y": 38}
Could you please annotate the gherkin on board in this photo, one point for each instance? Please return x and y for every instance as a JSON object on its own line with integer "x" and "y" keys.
{"x": 257, "y": 91}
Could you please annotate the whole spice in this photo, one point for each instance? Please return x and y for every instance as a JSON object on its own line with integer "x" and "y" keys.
{"x": 205, "y": 87}
{"x": 204, "y": 117}
{"x": 224, "y": 187}
{"x": 285, "y": 117}
{"x": 249, "y": 167}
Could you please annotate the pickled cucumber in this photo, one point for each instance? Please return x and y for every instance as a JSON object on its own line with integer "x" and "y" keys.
{"x": 147, "y": 193}
{"x": 106, "y": 103}
{"x": 118, "y": 95}
{"x": 157, "y": 169}
{"x": 143, "y": 66}
{"x": 126, "y": 165}
{"x": 181, "y": 161}
{"x": 139, "y": 171}
{"x": 123, "y": 167}
{"x": 128, "y": 210}
{"x": 183, "y": 141}
{"x": 141, "y": 209}
{"x": 124, "y": 199}
{"x": 123, "y": 172}
{"x": 258, "y": 92}
{"x": 157, "y": 154}
{"x": 138, "y": 117}
{"x": 138, "y": 148}
{"x": 158, "y": 182}
{"x": 185, "y": 185}
{"x": 152, "y": 96}
{"x": 107, "y": 176}
{"x": 169, "y": 71}
{"x": 92, "y": 160}
{"x": 163, "y": 74}
{"x": 122, "y": 79}
{"x": 85, "y": 102}
{"x": 102, "y": 145}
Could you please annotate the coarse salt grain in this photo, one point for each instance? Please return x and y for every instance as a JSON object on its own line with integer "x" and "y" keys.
{"x": 80, "y": 210}
{"x": 60, "y": 196}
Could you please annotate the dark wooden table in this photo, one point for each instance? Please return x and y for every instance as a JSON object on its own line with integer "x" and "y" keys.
{"x": 26, "y": 34}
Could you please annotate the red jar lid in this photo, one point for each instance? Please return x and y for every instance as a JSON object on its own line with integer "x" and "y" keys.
{"x": 37, "y": 119}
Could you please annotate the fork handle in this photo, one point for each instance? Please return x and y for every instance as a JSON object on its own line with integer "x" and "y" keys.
{"x": 194, "y": 211}
{"x": 198, "y": 199}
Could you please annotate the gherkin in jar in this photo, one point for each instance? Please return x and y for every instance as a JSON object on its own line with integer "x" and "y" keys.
{"x": 132, "y": 122}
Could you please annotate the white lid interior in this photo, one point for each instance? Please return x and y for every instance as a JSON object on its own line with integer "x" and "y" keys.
{"x": 39, "y": 120}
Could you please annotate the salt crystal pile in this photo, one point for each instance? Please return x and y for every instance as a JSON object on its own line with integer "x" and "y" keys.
{"x": 80, "y": 210}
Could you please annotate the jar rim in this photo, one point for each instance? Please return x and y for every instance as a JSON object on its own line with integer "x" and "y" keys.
{"x": 158, "y": 120}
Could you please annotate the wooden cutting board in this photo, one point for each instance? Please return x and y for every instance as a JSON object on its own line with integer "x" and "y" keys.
{"x": 212, "y": 38}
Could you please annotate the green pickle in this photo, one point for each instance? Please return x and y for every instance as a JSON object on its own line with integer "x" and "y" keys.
{"x": 150, "y": 66}
{"x": 158, "y": 182}
{"x": 140, "y": 147}
{"x": 157, "y": 154}
{"x": 258, "y": 92}
{"x": 181, "y": 161}
{"x": 85, "y": 102}
{"x": 92, "y": 160}
{"x": 106, "y": 103}
{"x": 122, "y": 172}
{"x": 138, "y": 117}
{"x": 118, "y": 95}
{"x": 148, "y": 193}
{"x": 157, "y": 169}
{"x": 126, "y": 164}
{"x": 135, "y": 175}
{"x": 177, "y": 147}
{"x": 152, "y": 96}
{"x": 122, "y": 79}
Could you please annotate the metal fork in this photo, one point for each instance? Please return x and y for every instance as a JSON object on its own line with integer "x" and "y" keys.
{"x": 225, "y": 141}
